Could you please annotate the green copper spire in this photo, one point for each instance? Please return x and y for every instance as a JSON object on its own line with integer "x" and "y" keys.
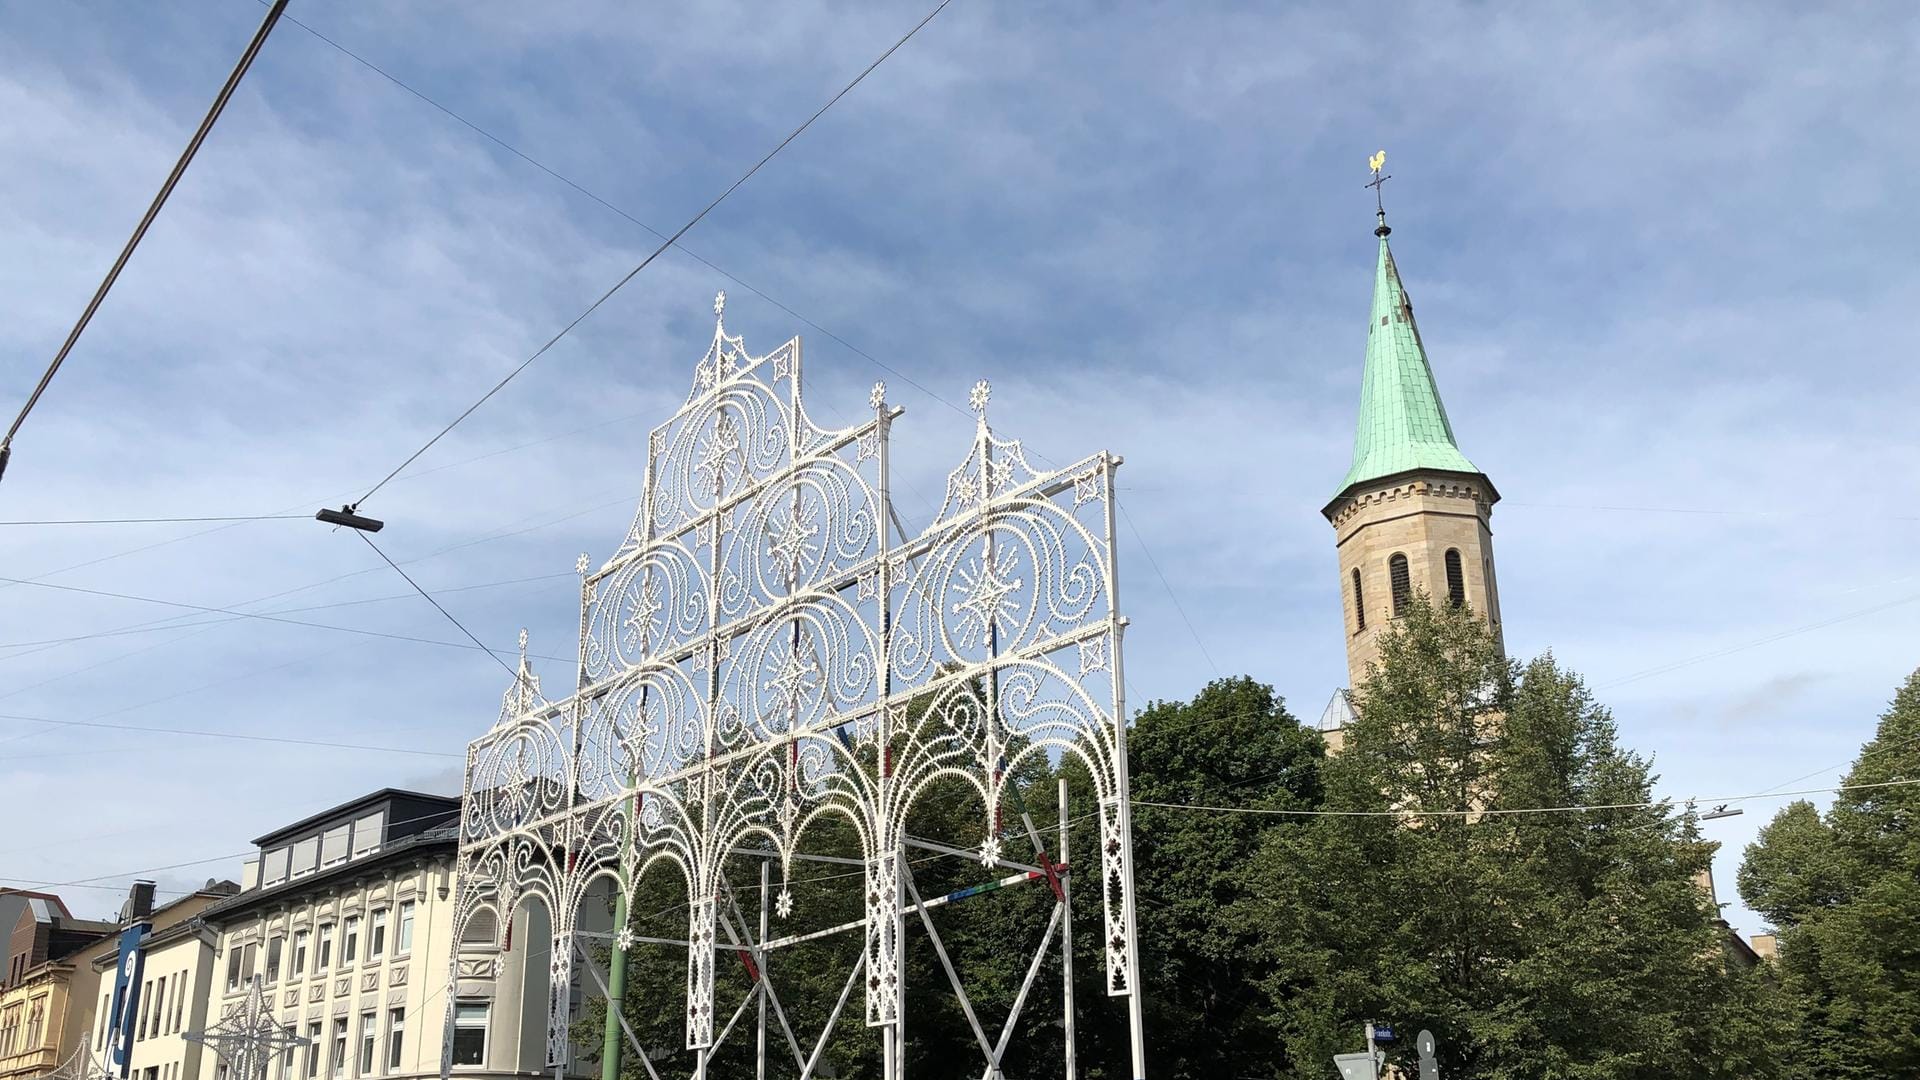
{"x": 1402, "y": 425}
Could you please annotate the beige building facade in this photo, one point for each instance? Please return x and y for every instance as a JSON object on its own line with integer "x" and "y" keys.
{"x": 347, "y": 918}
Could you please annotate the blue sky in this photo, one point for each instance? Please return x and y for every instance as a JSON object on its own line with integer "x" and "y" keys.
{"x": 1660, "y": 258}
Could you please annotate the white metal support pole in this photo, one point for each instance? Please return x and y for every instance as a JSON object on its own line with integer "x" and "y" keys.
{"x": 1136, "y": 1004}
{"x": 760, "y": 1045}
{"x": 1066, "y": 941}
{"x": 900, "y": 1017}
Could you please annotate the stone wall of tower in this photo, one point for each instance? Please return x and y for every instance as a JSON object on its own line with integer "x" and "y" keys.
{"x": 1422, "y": 516}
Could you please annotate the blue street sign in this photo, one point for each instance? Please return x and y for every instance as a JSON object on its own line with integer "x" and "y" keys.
{"x": 1382, "y": 1033}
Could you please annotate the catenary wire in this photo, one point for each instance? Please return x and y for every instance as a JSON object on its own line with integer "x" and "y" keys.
{"x": 154, "y": 627}
{"x": 1513, "y": 811}
{"x": 162, "y": 520}
{"x": 146, "y": 221}
{"x": 595, "y": 197}
{"x": 668, "y": 242}
{"x": 437, "y": 606}
{"x": 273, "y": 618}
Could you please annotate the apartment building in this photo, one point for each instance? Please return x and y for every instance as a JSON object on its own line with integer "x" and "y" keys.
{"x": 347, "y": 917}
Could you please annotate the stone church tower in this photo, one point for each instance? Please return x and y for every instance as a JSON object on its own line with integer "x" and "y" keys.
{"x": 1412, "y": 515}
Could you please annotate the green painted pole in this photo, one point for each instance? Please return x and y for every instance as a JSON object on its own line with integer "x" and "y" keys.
{"x": 616, "y": 975}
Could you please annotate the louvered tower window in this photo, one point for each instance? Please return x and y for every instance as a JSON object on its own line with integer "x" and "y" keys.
{"x": 1401, "y": 581}
{"x": 1359, "y": 605}
{"x": 1456, "y": 580}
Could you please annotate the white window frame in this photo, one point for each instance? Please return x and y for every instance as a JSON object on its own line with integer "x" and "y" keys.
{"x": 485, "y": 1024}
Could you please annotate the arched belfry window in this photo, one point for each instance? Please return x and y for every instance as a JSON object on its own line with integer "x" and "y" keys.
{"x": 1401, "y": 581}
{"x": 1456, "y": 579}
{"x": 1359, "y": 605}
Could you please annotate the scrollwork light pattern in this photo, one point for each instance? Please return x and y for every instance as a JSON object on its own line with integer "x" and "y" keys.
{"x": 765, "y": 649}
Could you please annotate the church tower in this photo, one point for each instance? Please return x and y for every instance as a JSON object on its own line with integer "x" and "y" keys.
{"x": 1412, "y": 514}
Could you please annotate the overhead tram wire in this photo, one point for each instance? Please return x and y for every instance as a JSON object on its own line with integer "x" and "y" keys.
{"x": 1517, "y": 811}
{"x": 160, "y": 520}
{"x": 595, "y": 197}
{"x": 351, "y": 508}
{"x": 240, "y": 736}
{"x": 146, "y": 220}
{"x": 437, "y": 606}
{"x": 277, "y": 619}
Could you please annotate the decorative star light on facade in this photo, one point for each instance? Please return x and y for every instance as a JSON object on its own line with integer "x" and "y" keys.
{"x": 643, "y": 613}
{"x": 982, "y": 392}
{"x": 990, "y": 852}
{"x": 247, "y": 1037}
{"x": 794, "y": 678}
{"x": 624, "y": 939}
{"x": 580, "y": 564}
{"x": 988, "y": 585}
{"x": 720, "y": 304}
{"x": 720, "y": 453}
{"x": 879, "y": 396}
{"x": 789, "y": 538}
{"x": 783, "y": 904}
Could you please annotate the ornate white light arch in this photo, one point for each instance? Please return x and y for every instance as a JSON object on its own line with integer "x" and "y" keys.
{"x": 768, "y": 646}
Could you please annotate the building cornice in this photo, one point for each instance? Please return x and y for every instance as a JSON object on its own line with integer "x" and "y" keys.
{"x": 1433, "y": 483}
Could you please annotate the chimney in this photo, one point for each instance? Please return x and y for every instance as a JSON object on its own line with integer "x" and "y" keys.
{"x": 139, "y": 903}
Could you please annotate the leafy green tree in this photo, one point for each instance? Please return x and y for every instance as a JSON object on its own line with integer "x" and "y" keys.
{"x": 1568, "y": 944}
{"x": 1844, "y": 893}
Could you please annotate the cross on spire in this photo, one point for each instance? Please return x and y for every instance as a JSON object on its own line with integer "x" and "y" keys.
{"x": 1376, "y": 162}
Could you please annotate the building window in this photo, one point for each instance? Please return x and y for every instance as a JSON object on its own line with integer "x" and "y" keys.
{"x": 337, "y": 1064}
{"x": 369, "y": 1035}
{"x": 396, "y": 1037}
{"x": 36, "y": 1020}
{"x": 313, "y": 1050}
{"x": 376, "y": 934}
{"x": 286, "y": 1064}
{"x": 323, "y": 955}
{"x": 1456, "y": 580}
{"x": 1359, "y": 605}
{"x": 333, "y": 846}
{"x": 275, "y": 945}
{"x": 470, "y": 1033}
{"x": 367, "y": 833}
{"x": 403, "y": 929}
{"x": 248, "y": 956}
{"x": 150, "y": 1023}
{"x": 1401, "y": 582}
{"x": 299, "y": 953}
{"x": 179, "y": 1007}
{"x": 146, "y": 1008}
{"x": 349, "y": 939}
{"x": 273, "y": 868}
{"x": 106, "y": 1010}
{"x": 233, "y": 967}
{"x": 481, "y": 929}
{"x": 306, "y": 856}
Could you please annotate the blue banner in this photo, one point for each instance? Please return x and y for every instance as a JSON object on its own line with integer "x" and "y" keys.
{"x": 126, "y": 997}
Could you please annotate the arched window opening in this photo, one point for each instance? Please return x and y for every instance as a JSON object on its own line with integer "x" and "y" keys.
{"x": 1359, "y": 605}
{"x": 1456, "y": 579}
{"x": 1401, "y": 581}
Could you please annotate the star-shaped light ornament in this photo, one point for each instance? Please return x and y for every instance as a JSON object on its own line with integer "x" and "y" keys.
{"x": 982, "y": 391}
{"x": 624, "y": 939}
{"x": 720, "y": 304}
{"x": 247, "y": 1037}
{"x": 990, "y": 852}
{"x": 783, "y": 904}
{"x": 580, "y": 564}
{"x": 878, "y": 398}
